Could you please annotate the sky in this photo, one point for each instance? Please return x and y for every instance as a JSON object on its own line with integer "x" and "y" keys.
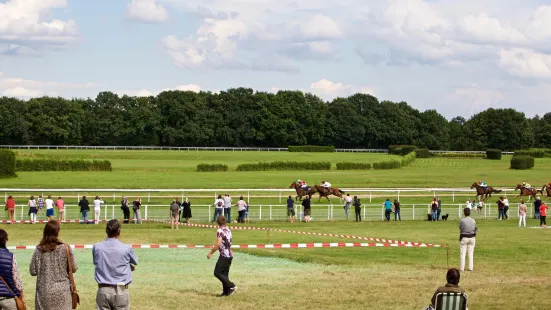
{"x": 458, "y": 57}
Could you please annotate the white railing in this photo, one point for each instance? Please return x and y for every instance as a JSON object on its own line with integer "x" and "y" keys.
{"x": 198, "y": 148}
{"x": 280, "y": 193}
{"x": 271, "y": 212}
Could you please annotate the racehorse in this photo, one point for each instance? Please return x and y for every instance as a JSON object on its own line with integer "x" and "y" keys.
{"x": 547, "y": 189}
{"x": 530, "y": 192}
{"x": 484, "y": 193}
{"x": 302, "y": 191}
{"x": 324, "y": 192}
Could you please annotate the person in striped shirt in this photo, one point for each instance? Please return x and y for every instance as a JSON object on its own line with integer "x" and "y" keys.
{"x": 222, "y": 268}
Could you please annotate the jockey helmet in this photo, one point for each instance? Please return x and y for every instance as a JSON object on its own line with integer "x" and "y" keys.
{"x": 322, "y": 181}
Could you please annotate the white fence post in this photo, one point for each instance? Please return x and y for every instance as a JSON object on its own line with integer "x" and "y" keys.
{"x": 260, "y": 213}
{"x": 270, "y": 212}
{"x": 369, "y": 196}
{"x": 364, "y": 211}
{"x": 382, "y": 213}
{"x": 104, "y": 213}
{"x": 146, "y": 209}
{"x": 113, "y": 209}
{"x": 459, "y": 211}
{"x": 413, "y": 212}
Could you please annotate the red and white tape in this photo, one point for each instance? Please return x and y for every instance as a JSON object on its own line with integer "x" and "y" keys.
{"x": 246, "y": 246}
{"x": 270, "y": 229}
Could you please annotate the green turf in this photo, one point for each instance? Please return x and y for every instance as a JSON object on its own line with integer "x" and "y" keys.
{"x": 336, "y": 278}
{"x": 176, "y": 169}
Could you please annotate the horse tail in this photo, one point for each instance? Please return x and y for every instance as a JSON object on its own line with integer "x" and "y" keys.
{"x": 497, "y": 191}
{"x": 341, "y": 191}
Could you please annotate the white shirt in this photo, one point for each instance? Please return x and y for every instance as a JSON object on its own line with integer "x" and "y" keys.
{"x": 49, "y": 203}
{"x": 506, "y": 202}
{"x": 241, "y": 205}
{"x": 221, "y": 206}
{"x": 97, "y": 204}
{"x": 227, "y": 202}
{"x": 469, "y": 205}
{"x": 348, "y": 199}
{"x": 327, "y": 184}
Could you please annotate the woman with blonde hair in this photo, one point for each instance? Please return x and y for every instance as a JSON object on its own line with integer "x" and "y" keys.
{"x": 51, "y": 268}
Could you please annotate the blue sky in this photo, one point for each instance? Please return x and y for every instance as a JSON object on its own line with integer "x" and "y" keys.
{"x": 458, "y": 57}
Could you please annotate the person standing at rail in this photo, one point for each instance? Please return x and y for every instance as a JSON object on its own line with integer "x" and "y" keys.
{"x": 348, "y": 203}
{"x": 358, "y": 209}
{"x": 60, "y": 204}
{"x": 10, "y": 207}
{"x": 49, "y": 208}
{"x": 522, "y": 213}
{"x": 125, "y": 206}
{"x": 97, "y": 209}
{"x": 33, "y": 209}
{"x": 84, "y": 209}
{"x": 388, "y": 209}
{"x": 227, "y": 207}
{"x": 218, "y": 208}
{"x": 137, "y": 217}
{"x": 307, "y": 207}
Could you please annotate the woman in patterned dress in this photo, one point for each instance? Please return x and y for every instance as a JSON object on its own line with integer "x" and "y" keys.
{"x": 49, "y": 265}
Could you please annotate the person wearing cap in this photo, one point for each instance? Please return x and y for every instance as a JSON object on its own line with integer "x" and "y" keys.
{"x": 114, "y": 262}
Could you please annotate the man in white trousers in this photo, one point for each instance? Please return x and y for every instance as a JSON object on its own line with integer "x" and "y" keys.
{"x": 97, "y": 209}
{"x": 468, "y": 230}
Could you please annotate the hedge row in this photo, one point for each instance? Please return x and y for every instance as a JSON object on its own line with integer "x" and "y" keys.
{"x": 211, "y": 167}
{"x": 493, "y": 154}
{"x": 536, "y": 153}
{"x": 459, "y": 155}
{"x": 395, "y": 164}
{"x": 422, "y": 153}
{"x": 522, "y": 162}
{"x": 311, "y": 148}
{"x": 284, "y": 165}
{"x": 62, "y": 165}
{"x": 401, "y": 149}
{"x": 7, "y": 164}
{"x": 353, "y": 166}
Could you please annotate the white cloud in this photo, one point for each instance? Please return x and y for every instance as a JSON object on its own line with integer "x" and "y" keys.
{"x": 488, "y": 30}
{"x": 148, "y": 11}
{"x": 525, "y": 63}
{"x": 19, "y": 87}
{"x": 473, "y": 99}
{"x": 329, "y": 89}
{"x": 146, "y": 93}
{"x": 25, "y": 23}
{"x": 320, "y": 27}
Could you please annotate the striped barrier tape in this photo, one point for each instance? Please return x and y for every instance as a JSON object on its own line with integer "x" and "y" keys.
{"x": 246, "y": 246}
{"x": 268, "y": 229}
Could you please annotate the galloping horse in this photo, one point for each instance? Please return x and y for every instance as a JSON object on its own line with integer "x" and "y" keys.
{"x": 484, "y": 193}
{"x": 547, "y": 189}
{"x": 324, "y": 192}
{"x": 530, "y": 192}
{"x": 302, "y": 191}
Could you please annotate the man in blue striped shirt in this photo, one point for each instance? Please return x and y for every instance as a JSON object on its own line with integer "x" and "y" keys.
{"x": 114, "y": 263}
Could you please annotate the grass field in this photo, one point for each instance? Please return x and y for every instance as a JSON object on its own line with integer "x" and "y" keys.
{"x": 176, "y": 169}
{"x": 510, "y": 267}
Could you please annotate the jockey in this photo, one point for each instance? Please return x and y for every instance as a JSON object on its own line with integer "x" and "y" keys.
{"x": 302, "y": 184}
{"x": 526, "y": 185}
{"x": 326, "y": 185}
{"x": 482, "y": 184}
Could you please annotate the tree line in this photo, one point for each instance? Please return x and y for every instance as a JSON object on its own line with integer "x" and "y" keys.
{"x": 242, "y": 117}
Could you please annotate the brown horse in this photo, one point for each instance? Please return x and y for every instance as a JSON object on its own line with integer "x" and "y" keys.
{"x": 484, "y": 193}
{"x": 530, "y": 192}
{"x": 302, "y": 192}
{"x": 324, "y": 192}
{"x": 547, "y": 189}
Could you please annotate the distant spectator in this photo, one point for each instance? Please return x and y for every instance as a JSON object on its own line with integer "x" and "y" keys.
{"x": 137, "y": 216}
{"x": 60, "y": 204}
{"x": 506, "y": 207}
{"x": 397, "y": 210}
{"x": 439, "y": 208}
{"x": 358, "y": 208}
{"x": 291, "y": 209}
{"x": 125, "y": 207}
{"x": 434, "y": 209}
{"x": 186, "y": 211}
{"x": 500, "y": 209}
{"x": 84, "y": 208}
{"x": 307, "y": 209}
{"x": 467, "y": 239}
{"x": 50, "y": 266}
{"x": 522, "y": 214}
{"x": 348, "y": 203}
{"x": 218, "y": 208}
{"x": 10, "y": 207}
{"x": 537, "y": 205}
{"x": 33, "y": 209}
{"x": 49, "y": 208}
{"x": 40, "y": 203}
{"x": 452, "y": 286}
{"x": 97, "y": 209}
{"x": 469, "y": 204}
{"x": 9, "y": 271}
{"x": 174, "y": 209}
{"x": 543, "y": 215}
{"x": 247, "y": 212}
{"x": 241, "y": 209}
{"x": 388, "y": 209}
{"x": 227, "y": 207}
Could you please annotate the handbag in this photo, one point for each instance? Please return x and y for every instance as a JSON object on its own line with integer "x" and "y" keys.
{"x": 18, "y": 301}
{"x": 74, "y": 294}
